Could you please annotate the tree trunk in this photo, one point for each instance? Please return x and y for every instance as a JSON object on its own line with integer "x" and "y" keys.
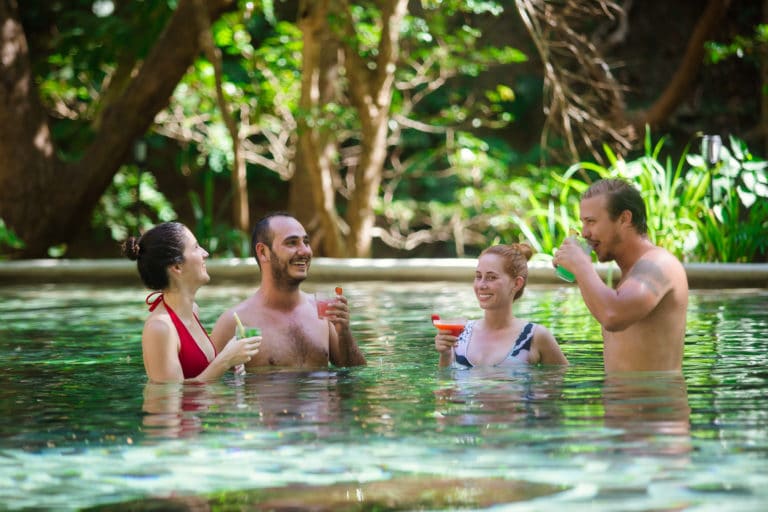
{"x": 26, "y": 149}
{"x": 371, "y": 95}
{"x": 680, "y": 83}
{"x": 240, "y": 214}
{"x": 312, "y": 195}
{"x": 44, "y": 200}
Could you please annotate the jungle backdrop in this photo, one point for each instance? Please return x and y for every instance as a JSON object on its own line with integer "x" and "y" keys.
{"x": 389, "y": 127}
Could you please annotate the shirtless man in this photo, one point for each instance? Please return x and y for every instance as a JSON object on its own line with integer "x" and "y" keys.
{"x": 643, "y": 319}
{"x": 293, "y": 335}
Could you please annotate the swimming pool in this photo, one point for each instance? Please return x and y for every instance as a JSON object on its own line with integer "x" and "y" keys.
{"x": 81, "y": 428}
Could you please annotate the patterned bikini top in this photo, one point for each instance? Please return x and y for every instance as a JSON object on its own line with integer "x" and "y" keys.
{"x": 517, "y": 355}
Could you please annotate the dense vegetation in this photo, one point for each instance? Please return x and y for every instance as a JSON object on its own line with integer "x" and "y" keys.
{"x": 390, "y": 128}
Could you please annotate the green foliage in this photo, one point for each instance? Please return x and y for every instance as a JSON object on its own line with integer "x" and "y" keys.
{"x": 546, "y": 223}
{"x": 742, "y": 47}
{"x": 8, "y": 238}
{"x": 696, "y": 212}
{"x": 122, "y": 214}
{"x": 442, "y": 176}
{"x": 217, "y": 237}
{"x": 487, "y": 197}
{"x": 733, "y": 217}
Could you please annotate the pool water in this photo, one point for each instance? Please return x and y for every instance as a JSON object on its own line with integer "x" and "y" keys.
{"x": 80, "y": 427}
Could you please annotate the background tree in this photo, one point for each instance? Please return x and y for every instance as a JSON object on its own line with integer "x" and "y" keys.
{"x": 359, "y": 91}
{"x": 281, "y": 94}
{"x": 49, "y": 184}
{"x": 585, "y": 104}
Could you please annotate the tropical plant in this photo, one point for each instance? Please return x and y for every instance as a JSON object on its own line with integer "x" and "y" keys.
{"x": 131, "y": 205}
{"x": 732, "y": 220}
{"x": 8, "y": 238}
{"x": 217, "y": 237}
{"x": 696, "y": 211}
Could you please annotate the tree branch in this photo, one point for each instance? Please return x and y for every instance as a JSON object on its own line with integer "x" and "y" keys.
{"x": 679, "y": 86}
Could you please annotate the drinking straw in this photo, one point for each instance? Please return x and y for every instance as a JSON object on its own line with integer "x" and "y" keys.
{"x": 240, "y": 368}
{"x": 240, "y": 325}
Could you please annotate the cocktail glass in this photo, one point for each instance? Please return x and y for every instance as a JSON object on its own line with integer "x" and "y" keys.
{"x": 455, "y": 325}
{"x": 567, "y": 275}
{"x": 325, "y": 299}
{"x": 244, "y": 331}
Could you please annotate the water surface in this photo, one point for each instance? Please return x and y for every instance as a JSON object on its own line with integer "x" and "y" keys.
{"x": 82, "y": 428}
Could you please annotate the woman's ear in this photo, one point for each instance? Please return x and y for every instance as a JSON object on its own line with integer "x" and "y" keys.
{"x": 175, "y": 268}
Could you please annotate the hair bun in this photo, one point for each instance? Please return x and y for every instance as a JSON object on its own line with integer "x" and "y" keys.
{"x": 525, "y": 249}
{"x": 131, "y": 248}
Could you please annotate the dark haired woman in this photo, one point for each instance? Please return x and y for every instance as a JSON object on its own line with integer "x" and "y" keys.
{"x": 499, "y": 338}
{"x": 175, "y": 346}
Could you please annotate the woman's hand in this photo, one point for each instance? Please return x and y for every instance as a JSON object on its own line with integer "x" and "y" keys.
{"x": 240, "y": 350}
{"x": 445, "y": 341}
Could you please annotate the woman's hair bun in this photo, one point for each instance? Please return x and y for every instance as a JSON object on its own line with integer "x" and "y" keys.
{"x": 524, "y": 249}
{"x": 131, "y": 248}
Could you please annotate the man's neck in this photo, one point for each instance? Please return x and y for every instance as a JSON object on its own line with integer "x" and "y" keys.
{"x": 632, "y": 251}
{"x": 280, "y": 298}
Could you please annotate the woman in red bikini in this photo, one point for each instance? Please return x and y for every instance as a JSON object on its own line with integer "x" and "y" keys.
{"x": 174, "y": 344}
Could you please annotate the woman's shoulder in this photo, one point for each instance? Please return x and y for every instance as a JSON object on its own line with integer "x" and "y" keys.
{"x": 540, "y": 331}
{"x": 158, "y": 325}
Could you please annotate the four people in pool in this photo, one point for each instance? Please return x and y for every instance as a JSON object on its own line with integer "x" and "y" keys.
{"x": 643, "y": 318}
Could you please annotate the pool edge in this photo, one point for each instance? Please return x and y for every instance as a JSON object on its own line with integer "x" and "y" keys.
{"x": 700, "y": 275}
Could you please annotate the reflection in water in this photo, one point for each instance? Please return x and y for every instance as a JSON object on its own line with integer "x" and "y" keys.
{"x": 273, "y": 399}
{"x": 173, "y": 410}
{"x": 290, "y": 397}
{"x": 651, "y": 408}
{"x": 500, "y": 395}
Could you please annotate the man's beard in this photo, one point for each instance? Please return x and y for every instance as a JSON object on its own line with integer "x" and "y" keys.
{"x": 281, "y": 276}
{"x": 609, "y": 254}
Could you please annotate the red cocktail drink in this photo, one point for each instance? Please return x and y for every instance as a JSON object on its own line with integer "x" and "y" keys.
{"x": 455, "y": 325}
{"x": 323, "y": 300}
{"x": 322, "y": 306}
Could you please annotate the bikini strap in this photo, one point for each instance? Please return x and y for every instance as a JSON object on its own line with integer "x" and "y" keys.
{"x": 153, "y": 303}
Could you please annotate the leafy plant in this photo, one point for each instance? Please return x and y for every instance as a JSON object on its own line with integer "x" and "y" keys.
{"x": 131, "y": 204}
{"x": 8, "y": 238}
{"x": 216, "y": 237}
{"x": 697, "y": 212}
{"x": 733, "y": 217}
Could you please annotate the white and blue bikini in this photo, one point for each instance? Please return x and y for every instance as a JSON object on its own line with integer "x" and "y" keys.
{"x": 518, "y": 355}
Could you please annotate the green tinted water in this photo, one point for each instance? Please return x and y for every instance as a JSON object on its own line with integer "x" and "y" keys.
{"x": 80, "y": 427}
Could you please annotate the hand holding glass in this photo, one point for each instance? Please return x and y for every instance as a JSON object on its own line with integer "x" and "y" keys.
{"x": 566, "y": 275}
{"x": 455, "y": 325}
{"x": 244, "y": 331}
{"x": 325, "y": 299}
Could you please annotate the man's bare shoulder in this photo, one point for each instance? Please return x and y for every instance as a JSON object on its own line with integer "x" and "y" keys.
{"x": 245, "y": 308}
{"x": 665, "y": 261}
{"x": 658, "y": 270}
{"x": 225, "y": 324}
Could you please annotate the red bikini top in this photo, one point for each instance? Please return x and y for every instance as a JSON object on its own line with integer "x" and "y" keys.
{"x": 192, "y": 358}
